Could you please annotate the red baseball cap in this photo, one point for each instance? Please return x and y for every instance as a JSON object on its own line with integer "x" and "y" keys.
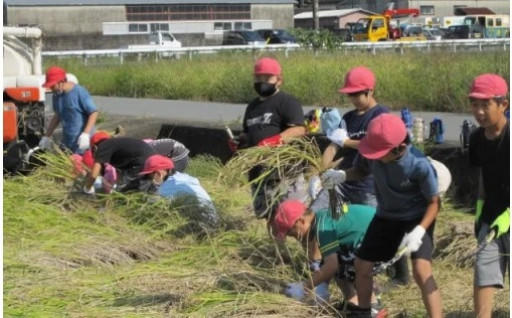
{"x": 288, "y": 212}
{"x": 487, "y": 86}
{"x": 99, "y": 136}
{"x": 54, "y": 75}
{"x": 155, "y": 163}
{"x": 268, "y": 66}
{"x": 358, "y": 79}
{"x": 384, "y": 133}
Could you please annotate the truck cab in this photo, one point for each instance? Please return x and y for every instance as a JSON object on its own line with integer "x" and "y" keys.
{"x": 163, "y": 38}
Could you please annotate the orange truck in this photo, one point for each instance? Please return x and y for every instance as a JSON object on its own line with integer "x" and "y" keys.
{"x": 378, "y": 27}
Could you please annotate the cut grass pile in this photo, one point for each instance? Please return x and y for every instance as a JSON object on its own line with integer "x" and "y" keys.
{"x": 66, "y": 254}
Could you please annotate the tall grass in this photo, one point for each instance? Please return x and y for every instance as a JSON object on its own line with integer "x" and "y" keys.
{"x": 436, "y": 81}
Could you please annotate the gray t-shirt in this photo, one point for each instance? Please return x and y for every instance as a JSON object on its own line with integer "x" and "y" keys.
{"x": 403, "y": 187}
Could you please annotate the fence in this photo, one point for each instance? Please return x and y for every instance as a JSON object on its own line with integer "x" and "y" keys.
{"x": 347, "y": 47}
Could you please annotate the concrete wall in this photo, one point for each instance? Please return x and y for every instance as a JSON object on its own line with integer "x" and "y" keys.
{"x": 446, "y": 8}
{"x": 281, "y": 15}
{"x": 67, "y": 20}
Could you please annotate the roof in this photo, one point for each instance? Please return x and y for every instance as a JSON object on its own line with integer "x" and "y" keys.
{"x": 331, "y": 13}
{"x": 36, "y": 3}
{"x": 472, "y": 11}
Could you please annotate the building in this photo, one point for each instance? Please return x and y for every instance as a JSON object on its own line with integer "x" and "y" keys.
{"x": 97, "y": 24}
{"x": 331, "y": 19}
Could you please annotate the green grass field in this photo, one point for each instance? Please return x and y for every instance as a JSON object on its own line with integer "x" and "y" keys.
{"x": 67, "y": 255}
{"x": 436, "y": 81}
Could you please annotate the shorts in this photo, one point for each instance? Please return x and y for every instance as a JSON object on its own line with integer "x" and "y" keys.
{"x": 344, "y": 194}
{"x": 492, "y": 261}
{"x": 346, "y": 269}
{"x": 269, "y": 193}
{"x": 383, "y": 238}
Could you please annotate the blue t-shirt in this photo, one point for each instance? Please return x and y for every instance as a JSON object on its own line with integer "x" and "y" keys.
{"x": 403, "y": 187}
{"x": 73, "y": 109}
{"x": 356, "y": 128}
{"x": 182, "y": 184}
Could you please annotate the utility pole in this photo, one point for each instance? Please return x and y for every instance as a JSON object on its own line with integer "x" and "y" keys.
{"x": 316, "y": 21}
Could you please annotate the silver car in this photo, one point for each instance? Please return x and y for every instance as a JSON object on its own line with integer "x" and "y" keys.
{"x": 433, "y": 34}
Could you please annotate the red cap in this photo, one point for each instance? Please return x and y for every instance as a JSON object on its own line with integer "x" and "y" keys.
{"x": 358, "y": 79}
{"x": 487, "y": 86}
{"x": 54, "y": 75}
{"x": 384, "y": 133}
{"x": 268, "y": 66}
{"x": 288, "y": 212}
{"x": 99, "y": 136}
{"x": 155, "y": 163}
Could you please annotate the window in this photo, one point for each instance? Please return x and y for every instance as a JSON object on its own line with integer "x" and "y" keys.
{"x": 187, "y": 12}
{"x": 427, "y": 10}
{"x": 498, "y": 21}
{"x": 138, "y": 28}
{"x": 490, "y": 22}
{"x": 377, "y": 23}
{"x": 243, "y": 25}
{"x": 222, "y": 26}
{"x": 159, "y": 27}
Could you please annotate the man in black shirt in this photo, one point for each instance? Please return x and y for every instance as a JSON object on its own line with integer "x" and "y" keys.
{"x": 489, "y": 149}
{"x": 273, "y": 118}
{"x": 127, "y": 155}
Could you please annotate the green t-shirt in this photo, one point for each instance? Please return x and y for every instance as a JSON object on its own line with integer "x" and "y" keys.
{"x": 344, "y": 234}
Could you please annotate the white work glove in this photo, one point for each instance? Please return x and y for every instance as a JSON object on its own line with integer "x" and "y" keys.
{"x": 314, "y": 187}
{"x": 295, "y": 291}
{"x": 338, "y": 136}
{"x": 413, "y": 239}
{"x": 45, "y": 143}
{"x": 322, "y": 292}
{"x": 332, "y": 177}
{"x": 88, "y": 190}
{"x": 84, "y": 141}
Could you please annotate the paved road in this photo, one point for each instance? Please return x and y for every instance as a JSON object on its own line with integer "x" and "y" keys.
{"x": 219, "y": 114}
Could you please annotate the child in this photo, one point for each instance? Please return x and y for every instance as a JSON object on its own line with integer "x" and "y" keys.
{"x": 269, "y": 120}
{"x": 408, "y": 203}
{"x": 359, "y": 86}
{"x": 489, "y": 149}
{"x": 337, "y": 239}
{"x": 74, "y": 109}
{"x": 180, "y": 186}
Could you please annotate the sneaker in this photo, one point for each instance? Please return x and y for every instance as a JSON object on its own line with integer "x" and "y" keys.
{"x": 354, "y": 311}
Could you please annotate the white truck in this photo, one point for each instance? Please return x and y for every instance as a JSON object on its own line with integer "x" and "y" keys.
{"x": 158, "y": 39}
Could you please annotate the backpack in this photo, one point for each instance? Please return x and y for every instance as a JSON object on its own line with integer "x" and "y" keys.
{"x": 436, "y": 134}
{"x": 406, "y": 116}
{"x": 467, "y": 129}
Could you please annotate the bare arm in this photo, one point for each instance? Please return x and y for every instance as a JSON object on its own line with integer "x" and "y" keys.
{"x": 54, "y": 122}
{"x": 351, "y": 143}
{"x": 328, "y": 270}
{"x": 95, "y": 172}
{"x": 91, "y": 121}
{"x": 293, "y": 132}
{"x": 431, "y": 213}
{"x": 329, "y": 154}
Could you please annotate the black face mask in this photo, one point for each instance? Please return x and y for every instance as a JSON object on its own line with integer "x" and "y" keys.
{"x": 264, "y": 89}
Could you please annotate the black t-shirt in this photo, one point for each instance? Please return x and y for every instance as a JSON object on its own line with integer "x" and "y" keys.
{"x": 269, "y": 117}
{"x": 493, "y": 156}
{"x": 124, "y": 153}
{"x": 356, "y": 129}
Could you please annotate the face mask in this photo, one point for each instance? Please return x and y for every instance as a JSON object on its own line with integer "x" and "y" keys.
{"x": 264, "y": 89}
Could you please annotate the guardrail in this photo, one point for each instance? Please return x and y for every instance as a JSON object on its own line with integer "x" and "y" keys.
{"x": 371, "y": 47}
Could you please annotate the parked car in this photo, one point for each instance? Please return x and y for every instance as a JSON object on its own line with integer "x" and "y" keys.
{"x": 242, "y": 37}
{"x": 465, "y": 32}
{"x": 433, "y": 34}
{"x": 276, "y": 36}
{"x": 410, "y": 30}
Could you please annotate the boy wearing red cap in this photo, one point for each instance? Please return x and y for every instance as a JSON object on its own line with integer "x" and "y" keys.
{"x": 489, "y": 149}
{"x": 73, "y": 108}
{"x": 175, "y": 185}
{"x": 407, "y": 206}
{"x": 269, "y": 120}
{"x": 126, "y": 155}
{"x": 337, "y": 240}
